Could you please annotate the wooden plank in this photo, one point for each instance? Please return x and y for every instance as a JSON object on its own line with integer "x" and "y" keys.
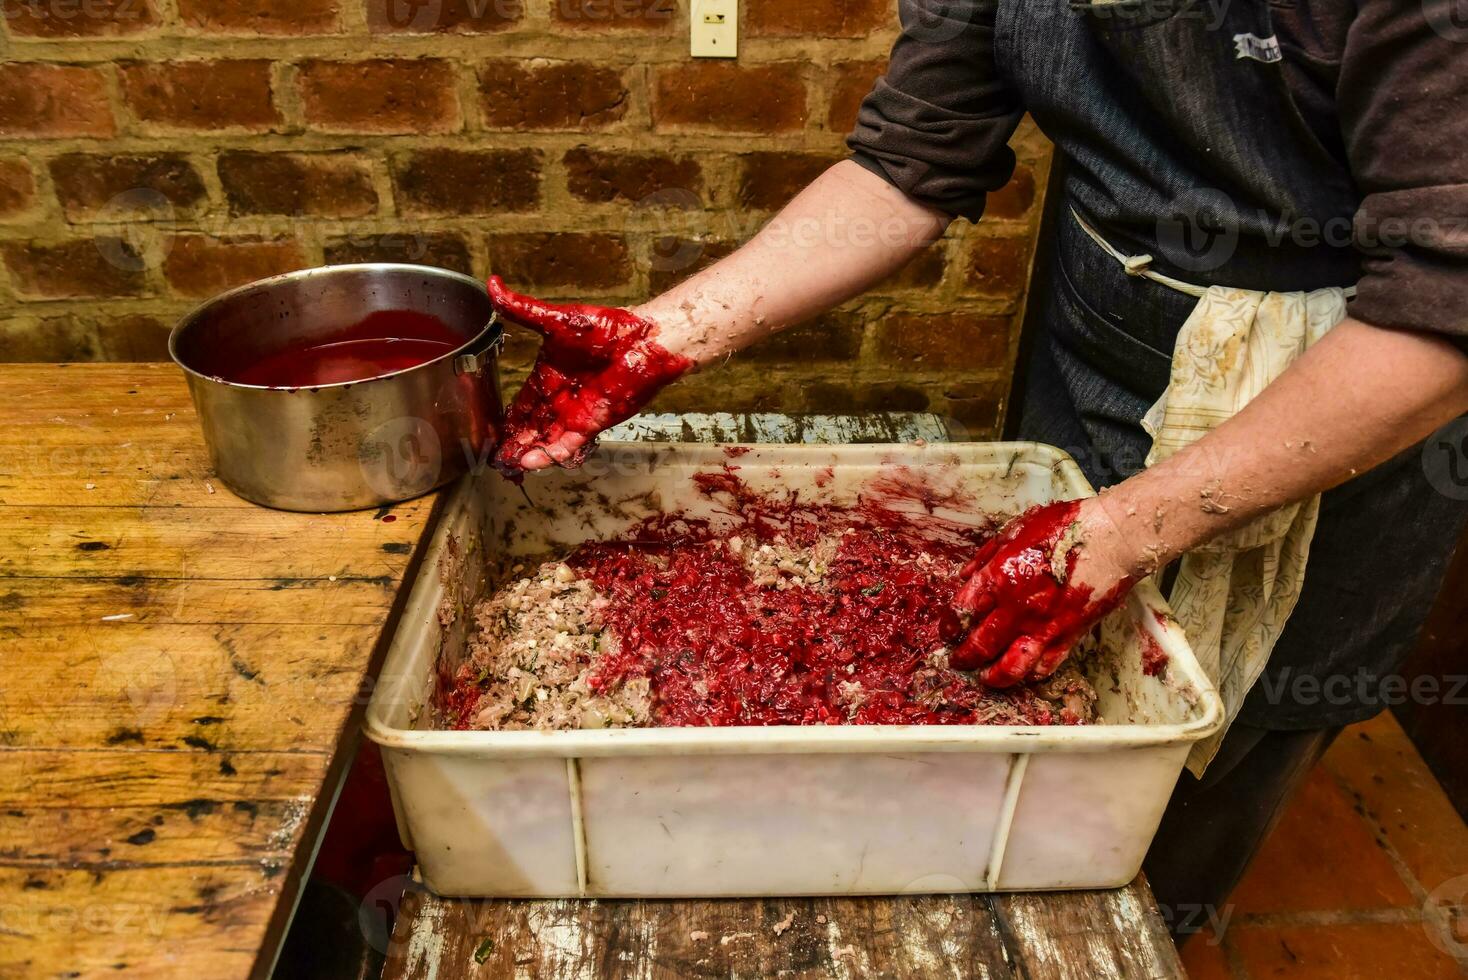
{"x": 1055, "y": 936}
{"x": 191, "y": 921}
{"x": 55, "y": 542}
{"x": 1084, "y": 935}
{"x": 276, "y": 687}
{"x": 83, "y": 602}
{"x": 179, "y": 807}
{"x": 182, "y": 672}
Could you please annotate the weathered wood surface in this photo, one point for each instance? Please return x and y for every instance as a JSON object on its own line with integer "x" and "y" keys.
{"x": 180, "y": 673}
{"x": 1055, "y": 936}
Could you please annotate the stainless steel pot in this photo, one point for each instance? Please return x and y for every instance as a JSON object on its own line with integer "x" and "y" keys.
{"x": 354, "y": 444}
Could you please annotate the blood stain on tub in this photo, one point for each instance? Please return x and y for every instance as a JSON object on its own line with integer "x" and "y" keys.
{"x": 1154, "y": 658}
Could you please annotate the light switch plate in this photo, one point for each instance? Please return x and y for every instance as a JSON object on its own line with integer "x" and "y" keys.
{"x": 714, "y": 28}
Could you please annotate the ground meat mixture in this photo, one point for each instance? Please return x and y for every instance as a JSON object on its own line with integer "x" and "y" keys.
{"x": 801, "y": 616}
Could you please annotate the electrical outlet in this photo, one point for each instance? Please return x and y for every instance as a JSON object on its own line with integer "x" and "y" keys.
{"x": 715, "y": 28}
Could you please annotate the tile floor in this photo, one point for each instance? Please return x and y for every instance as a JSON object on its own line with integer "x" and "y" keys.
{"x": 1366, "y": 876}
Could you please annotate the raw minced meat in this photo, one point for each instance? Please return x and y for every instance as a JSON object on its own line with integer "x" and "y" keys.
{"x": 818, "y": 617}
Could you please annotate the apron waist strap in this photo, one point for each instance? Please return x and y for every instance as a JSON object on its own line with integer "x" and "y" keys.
{"x": 1141, "y": 265}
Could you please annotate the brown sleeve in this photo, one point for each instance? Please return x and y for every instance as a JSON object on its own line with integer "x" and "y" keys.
{"x": 1401, "y": 98}
{"x": 937, "y": 125}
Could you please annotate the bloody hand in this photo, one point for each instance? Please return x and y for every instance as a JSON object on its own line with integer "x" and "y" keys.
{"x": 1026, "y": 606}
{"x": 598, "y": 366}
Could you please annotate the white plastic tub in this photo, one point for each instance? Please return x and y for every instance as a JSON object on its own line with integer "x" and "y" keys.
{"x": 785, "y": 810}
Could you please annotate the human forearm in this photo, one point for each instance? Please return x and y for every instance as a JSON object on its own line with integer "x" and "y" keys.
{"x": 1356, "y": 398}
{"x": 848, "y": 230}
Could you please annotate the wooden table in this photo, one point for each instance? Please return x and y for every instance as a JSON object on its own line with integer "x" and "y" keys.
{"x": 181, "y": 676}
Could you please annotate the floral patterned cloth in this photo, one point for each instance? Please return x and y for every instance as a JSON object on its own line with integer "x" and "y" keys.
{"x": 1233, "y": 594}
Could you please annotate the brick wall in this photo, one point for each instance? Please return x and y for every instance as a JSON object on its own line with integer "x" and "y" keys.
{"x": 153, "y": 152}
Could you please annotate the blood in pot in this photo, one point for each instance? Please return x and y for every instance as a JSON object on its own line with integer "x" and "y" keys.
{"x": 380, "y": 343}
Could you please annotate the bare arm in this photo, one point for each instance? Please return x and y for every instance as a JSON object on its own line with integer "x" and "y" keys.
{"x": 1353, "y": 400}
{"x": 843, "y": 234}
{"x": 1358, "y": 397}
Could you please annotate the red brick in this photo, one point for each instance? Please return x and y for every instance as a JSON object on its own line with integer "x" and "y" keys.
{"x": 978, "y": 405}
{"x": 849, "y": 86}
{"x": 997, "y": 267}
{"x": 924, "y": 272}
{"x": 296, "y": 184}
{"x": 53, "y": 100}
{"x": 233, "y": 94}
{"x": 601, "y": 15}
{"x": 718, "y": 95}
{"x": 17, "y": 186}
{"x": 767, "y": 181}
{"x": 834, "y": 337}
{"x": 445, "y": 250}
{"x": 442, "y": 16}
{"x": 259, "y": 16}
{"x": 1014, "y": 199}
{"x": 133, "y": 337}
{"x": 942, "y": 341}
{"x": 818, "y": 18}
{"x": 448, "y": 181}
{"x": 517, "y": 94}
{"x": 202, "y": 265}
{"x": 561, "y": 260}
{"x": 87, "y": 182}
{"x": 600, "y": 177}
{"x": 83, "y": 268}
{"x": 675, "y": 259}
{"x": 76, "y": 18}
{"x": 50, "y": 340}
{"x": 385, "y": 95}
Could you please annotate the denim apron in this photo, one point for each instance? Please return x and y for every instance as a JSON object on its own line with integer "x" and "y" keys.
{"x": 1177, "y": 137}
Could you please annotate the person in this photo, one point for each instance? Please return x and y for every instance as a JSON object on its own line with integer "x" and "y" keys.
{"x": 1282, "y": 150}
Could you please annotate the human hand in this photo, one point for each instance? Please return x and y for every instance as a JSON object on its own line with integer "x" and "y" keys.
{"x": 1035, "y": 589}
{"x": 598, "y": 366}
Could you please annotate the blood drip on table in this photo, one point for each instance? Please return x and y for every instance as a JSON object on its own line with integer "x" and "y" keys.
{"x": 380, "y": 343}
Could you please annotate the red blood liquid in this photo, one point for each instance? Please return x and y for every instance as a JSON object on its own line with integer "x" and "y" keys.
{"x": 381, "y": 343}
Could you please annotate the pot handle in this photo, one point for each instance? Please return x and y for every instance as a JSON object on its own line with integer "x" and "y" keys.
{"x": 472, "y": 362}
